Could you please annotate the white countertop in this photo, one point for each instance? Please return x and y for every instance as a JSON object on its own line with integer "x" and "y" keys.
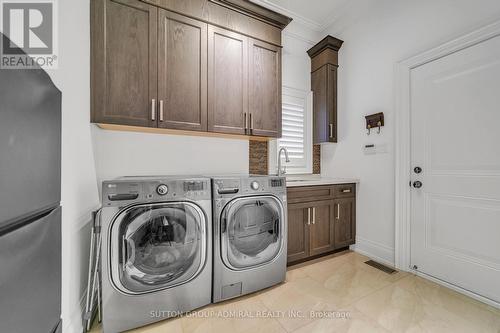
{"x": 312, "y": 180}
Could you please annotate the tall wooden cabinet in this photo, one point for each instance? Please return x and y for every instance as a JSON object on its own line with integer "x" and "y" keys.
{"x": 153, "y": 67}
{"x": 321, "y": 219}
{"x": 324, "y": 64}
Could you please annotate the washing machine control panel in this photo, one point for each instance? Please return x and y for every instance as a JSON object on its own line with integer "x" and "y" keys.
{"x": 255, "y": 185}
{"x": 125, "y": 192}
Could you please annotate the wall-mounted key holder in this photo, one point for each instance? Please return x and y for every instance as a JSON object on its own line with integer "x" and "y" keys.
{"x": 375, "y": 120}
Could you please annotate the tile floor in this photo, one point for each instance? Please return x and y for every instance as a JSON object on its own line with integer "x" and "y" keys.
{"x": 355, "y": 297}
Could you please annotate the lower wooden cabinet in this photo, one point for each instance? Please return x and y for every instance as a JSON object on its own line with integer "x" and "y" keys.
{"x": 345, "y": 226}
{"x": 298, "y": 232}
{"x": 322, "y": 228}
{"x": 321, "y": 219}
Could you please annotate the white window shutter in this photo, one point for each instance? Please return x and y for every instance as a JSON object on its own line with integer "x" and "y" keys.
{"x": 296, "y": 130}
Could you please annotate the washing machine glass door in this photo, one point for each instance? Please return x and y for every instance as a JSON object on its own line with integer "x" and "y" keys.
{"x": 251, "y": 231}
{"x": 158, "y": 246}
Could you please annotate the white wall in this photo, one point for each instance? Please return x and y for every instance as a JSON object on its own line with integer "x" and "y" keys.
{"x": 90, "y": 154}
{"x": 296, "y": 64}
{"x": 128, "y": 154}
{"x": 79, "y": 188}
{"x": 296, "y": 70}
{"x": 385, "y": 32}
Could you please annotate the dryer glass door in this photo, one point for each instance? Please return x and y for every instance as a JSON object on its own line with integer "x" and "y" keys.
{"x": 251, "y": 231}
{"x": 159, "y": 245}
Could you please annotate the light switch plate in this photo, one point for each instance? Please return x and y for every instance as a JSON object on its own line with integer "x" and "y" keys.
{"x": 373, "y": 148}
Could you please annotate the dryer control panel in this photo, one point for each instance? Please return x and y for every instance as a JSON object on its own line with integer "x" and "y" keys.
{"x": 230, "y": 187}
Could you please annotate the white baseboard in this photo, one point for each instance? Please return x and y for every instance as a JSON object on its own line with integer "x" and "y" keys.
{"x": 458, "y": 289}
{"x": 75, "y": 324}
{"x": 376, "y": 251}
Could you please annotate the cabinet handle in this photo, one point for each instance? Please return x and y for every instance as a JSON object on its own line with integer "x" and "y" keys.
{"x": 251, "y": 122}
{"x": 153, "y": 109}
{"x": 246, "y": 120}
{"x": 308, "y": 216}
{"x": 346, "y": 190}
{"x": 331, "y": 131}
{"x": 338, "y": 211}
{"x": 314, "y": 215}
{"x": 161, "y": 110}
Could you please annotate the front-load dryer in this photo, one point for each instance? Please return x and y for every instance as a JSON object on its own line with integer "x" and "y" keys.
{"x": 156, "y": 249}
{"x": 250, "y": 234}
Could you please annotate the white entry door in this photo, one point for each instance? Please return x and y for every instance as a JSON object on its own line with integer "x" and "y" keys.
{"x": 455, "y": 140}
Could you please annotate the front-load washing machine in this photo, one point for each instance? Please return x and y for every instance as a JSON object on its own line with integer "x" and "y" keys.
{"x": 156, "y": 256}
{"x": 250, "y": 234}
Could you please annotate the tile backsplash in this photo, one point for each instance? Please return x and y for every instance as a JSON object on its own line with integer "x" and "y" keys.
{"x": 258, "y": 157}
{"x": 258, "y": 152}
{"x": 316, "y": 159}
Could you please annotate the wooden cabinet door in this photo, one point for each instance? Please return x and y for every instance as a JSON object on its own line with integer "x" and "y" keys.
{"x": 322, "y": 228}
{"x": 324, "y": 87}
{"x": 345, "y": 222}
{"x": 298, "y": 232}
{"x": 265, "y": 89}
{"x": 227, "y": 81}
{"x": 320, "y": 112}
{"x": 332, "y": 104}
{"x": 124, "y": 62}
{"x": 182, "y": 72}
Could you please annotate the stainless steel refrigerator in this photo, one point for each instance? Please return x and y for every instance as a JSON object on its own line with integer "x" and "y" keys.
{"x": 30, "y": 192}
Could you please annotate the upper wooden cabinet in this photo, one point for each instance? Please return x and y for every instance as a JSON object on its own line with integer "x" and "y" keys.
{"x": 227, "y": 81}
{"x": 265, "y": 89}
{"x": 324, "y": 64}
{"x": 182, "y": 72}
{"x": 124, "y": 62}
{"x": 152, "y": 67}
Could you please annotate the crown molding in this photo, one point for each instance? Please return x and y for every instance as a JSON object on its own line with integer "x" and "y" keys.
{"x": 297, "y": 17}
{"x": 256, "y": 11}
{"x": 328, "y": 42}
{"x": 299, "y": 37}
{"x": 337, "y": 16}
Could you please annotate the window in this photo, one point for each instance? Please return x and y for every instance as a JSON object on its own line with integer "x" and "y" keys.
{"x": 296, "y": 132}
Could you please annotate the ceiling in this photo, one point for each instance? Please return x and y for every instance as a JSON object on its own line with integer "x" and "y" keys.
{"x": 315, "y": 14}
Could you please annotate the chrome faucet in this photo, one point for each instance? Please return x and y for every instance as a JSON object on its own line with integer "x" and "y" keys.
{"x": 282, "y": 171}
